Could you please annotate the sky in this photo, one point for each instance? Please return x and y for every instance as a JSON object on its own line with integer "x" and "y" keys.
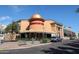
{"x": 64, "y": 14}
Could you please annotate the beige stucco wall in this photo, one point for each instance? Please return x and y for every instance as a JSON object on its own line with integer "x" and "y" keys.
{"x": 47, "y": 27}
{"x": 53, "y": 28}
{"x": 23, "y": 25}
{"x": 59, "y": 32}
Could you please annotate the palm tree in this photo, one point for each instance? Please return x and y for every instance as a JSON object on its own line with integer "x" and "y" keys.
{"x": 77, "y": 11}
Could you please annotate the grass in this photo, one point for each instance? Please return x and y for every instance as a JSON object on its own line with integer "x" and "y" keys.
{"x": 1, "y": 49}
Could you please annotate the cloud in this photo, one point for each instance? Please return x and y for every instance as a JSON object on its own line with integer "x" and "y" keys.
{"x": 15, "y": 8}
{"x": 5, "y": 20}
{"x": 2, "y": 18}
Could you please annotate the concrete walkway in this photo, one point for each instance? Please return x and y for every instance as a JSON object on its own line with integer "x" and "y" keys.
{"x": 17, "y": 45}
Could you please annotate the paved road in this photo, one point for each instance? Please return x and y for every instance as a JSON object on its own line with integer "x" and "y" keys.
{"x": 65, "y": 47}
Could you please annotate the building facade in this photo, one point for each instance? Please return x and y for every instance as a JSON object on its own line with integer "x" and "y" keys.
{"x": 38, "y": 27}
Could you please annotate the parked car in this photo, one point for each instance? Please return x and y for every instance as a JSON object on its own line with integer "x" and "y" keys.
{"x": 56, "y": 39}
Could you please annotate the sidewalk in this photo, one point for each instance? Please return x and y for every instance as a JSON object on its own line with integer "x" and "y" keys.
{"x": 15, "y": 45}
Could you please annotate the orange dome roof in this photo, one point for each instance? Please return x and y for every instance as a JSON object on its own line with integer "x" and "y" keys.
{"x": 36, "y": 16}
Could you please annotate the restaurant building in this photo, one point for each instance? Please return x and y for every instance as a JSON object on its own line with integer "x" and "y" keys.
{"x": 37, "y": 27}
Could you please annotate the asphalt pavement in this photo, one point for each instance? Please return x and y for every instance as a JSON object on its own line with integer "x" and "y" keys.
{"x": 64, "y": 47}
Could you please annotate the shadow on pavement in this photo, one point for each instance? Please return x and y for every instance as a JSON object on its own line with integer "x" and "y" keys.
{"x": 74, "y": 44}
{"x": 62, "y": 50}
{"x": 55, "y": 51}
{"x": 69, "y": 48}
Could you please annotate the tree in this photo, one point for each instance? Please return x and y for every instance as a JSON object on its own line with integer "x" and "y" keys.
{"x": 12, "y": 27}
{"x": 78, "y": 35}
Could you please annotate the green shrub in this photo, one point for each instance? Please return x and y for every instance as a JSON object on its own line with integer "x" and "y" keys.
{"x": 72, "y": 38}
{"x": 45, "y": 40}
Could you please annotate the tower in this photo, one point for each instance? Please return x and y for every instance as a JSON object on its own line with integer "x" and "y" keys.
{"x": 36, "y": 22}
